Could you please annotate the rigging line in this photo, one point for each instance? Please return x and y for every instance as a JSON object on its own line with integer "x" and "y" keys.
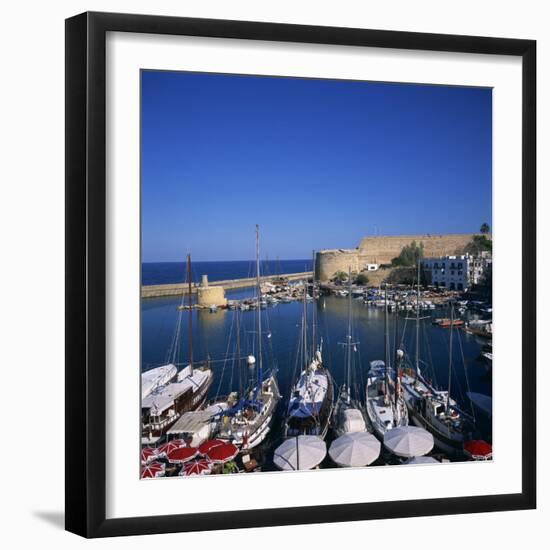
{"x": 466, "y": 376}
{"x": 226, "y": 357}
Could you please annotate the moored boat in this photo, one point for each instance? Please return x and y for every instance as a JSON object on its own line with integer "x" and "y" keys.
{"x": 165, "y": 403}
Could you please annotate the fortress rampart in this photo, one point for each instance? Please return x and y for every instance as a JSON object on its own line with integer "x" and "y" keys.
{"x": 381, "y": 250}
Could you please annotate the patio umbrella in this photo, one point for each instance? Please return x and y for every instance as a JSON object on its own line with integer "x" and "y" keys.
{"x": 355, "y": 449}
{"x": 210, "y": 444}
{"x": 300, "y": 453}
{"x": 478, "y": 449}
{"x": 222, "y": 453}
{"x": 422, "y": 460}
{"x": 147, "y": 455}
{"x": 170, "y": 446}
{"x": 181, "y": 455}
{"x": 153, "y": 469}
{"x": 408, "y": 441}
{"x": 198, "y": 467}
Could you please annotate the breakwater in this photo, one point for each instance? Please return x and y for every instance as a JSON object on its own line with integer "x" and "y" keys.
{"x": 155, "y": 291}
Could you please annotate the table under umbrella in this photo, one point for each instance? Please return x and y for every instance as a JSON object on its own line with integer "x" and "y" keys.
{"x": 408, "y": 441}
{"x": 355, "y": 449}
{"x": 303, "y": 452}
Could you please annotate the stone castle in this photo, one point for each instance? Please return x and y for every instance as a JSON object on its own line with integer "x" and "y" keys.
{"x": 381, "y": 250}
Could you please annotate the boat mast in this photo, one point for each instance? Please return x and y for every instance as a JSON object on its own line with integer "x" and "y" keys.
{"x": 450, "y": 357}
{"x": 348, "y": 365}
{"x": 259, "y": 299}
{"x": 304, "y": 326}
{"x": 239, "y": 367}
{"x": 190, "y": 301}
{"x": 386, "y": 342}
{"x": 313, "y": 313}
{"x": 417, "y": 351}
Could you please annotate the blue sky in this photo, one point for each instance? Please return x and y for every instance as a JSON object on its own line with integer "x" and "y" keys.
{"x": 317, "y": 163}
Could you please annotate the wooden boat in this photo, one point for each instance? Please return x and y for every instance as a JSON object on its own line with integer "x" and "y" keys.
{"x": 165, "y": 403}
{"x": 433, "y": 409}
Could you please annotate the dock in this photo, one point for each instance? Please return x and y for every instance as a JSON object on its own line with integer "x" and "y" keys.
{"x": 156, "y": 291}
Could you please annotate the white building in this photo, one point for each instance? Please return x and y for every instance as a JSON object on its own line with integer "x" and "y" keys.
{"x": 478, "y": 266}
{"x": 450, "y": 272}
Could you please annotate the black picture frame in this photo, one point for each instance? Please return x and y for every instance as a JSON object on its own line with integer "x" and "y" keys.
{"x": 86, "y": 268}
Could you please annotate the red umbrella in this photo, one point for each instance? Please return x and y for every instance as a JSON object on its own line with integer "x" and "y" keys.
{"x": 478, "y": 449}
{"x": 199, "y": 467}
{"x": 167, "y": 448}
{"x": 223, "y": 453}
{"x": 153, "y": 469}
{"x": 181, "y": 455}
{"x": 211, "y": 444}
{"x": 148, "y": 454}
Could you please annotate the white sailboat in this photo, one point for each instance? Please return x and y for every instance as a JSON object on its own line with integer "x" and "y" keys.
{"x": 248, "y": 422}
{"x": 386, "y": 408}
{"x": 312, "y": 396}
{"x": 348, "y": 414}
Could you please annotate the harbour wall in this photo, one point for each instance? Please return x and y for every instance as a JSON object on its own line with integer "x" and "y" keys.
{"x": 155, "y": 291}
{"x": 381, "y": 250}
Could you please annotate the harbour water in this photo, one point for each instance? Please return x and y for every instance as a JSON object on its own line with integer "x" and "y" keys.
{"x": 214, "y": 337}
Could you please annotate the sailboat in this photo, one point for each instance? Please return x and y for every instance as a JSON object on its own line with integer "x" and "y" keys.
{"x": 312, "y": 396}
{"x": 348, "y": 414}
{"x": 386, "y": 408}
{"x": 183, "y": 391}
{"x": 432, "y": 409}
{"x": 248, "y": 422}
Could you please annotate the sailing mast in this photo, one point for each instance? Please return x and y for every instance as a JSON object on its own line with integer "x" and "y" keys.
{"x": 313, "y": 313}
{"x": 417, "y": 350}
{"x": 304, "y": 326}
{"x": 450, "y": 357}
{"x": 386, "y": 344}
{"x": 190, "y": 301}
{"x": 348, "y": 366}
{"x": 259, "y": 299}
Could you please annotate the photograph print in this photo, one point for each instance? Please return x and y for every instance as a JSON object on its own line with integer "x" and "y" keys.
{"x": 316, "y": 274}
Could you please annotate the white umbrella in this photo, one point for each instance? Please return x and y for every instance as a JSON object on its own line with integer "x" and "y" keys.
{"x": 422, "y": 460}
{"x": 408, "y": 441}
{"x": 355, "y": 449}
{"x": 300, "y": 453}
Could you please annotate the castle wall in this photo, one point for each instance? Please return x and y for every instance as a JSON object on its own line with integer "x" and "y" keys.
{"x": 381, "y": 250}
{"x": 328, "y": 262}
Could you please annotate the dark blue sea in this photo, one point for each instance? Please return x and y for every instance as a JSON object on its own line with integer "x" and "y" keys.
{"x": 161, "y": 273}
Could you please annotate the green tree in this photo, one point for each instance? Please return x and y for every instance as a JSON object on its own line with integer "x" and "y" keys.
{"x": 484, "y": 229}
{"x": 409, "y": 255}
{"x": 479, "y": 244}
{"x": 361, "y": 279}
{"x": 340, "y": 276}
